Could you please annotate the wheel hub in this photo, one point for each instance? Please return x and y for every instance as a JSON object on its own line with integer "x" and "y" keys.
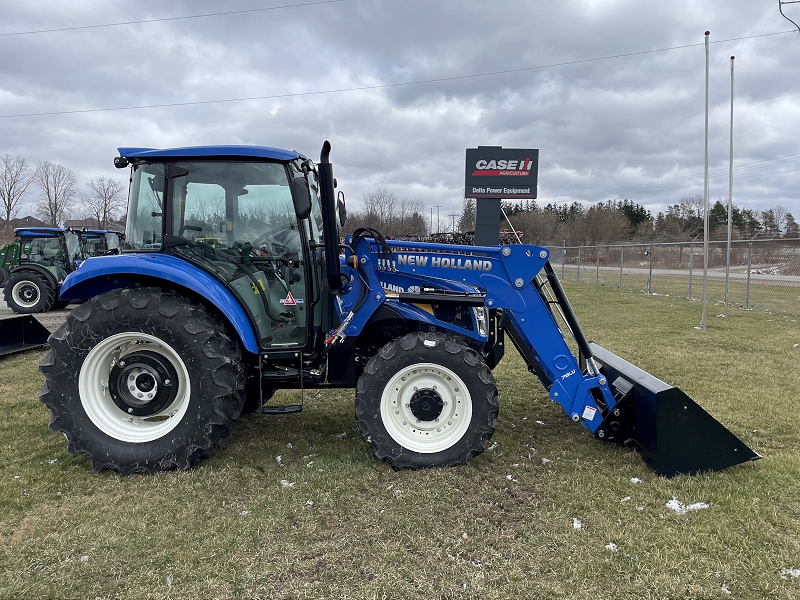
{"x": 28, "y": 293}
{"x": 143, "y": 383}
{"x": 426, "y": 405}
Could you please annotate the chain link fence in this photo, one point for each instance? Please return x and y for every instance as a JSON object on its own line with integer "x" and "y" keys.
{"x": 763, "y": 274}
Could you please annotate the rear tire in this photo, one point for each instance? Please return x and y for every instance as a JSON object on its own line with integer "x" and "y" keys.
{"x": 426, "y": 400}
{"x": 252, "y": 401}
{"x": 139, "y": 380}
{"x": 29, "y": 293}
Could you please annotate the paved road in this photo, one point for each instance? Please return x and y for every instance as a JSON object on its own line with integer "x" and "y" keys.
{"x": 697, "y": 274}
{"x": 52, "y": 319}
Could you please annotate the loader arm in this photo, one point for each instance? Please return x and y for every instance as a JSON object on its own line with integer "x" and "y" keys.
{"x": 506, "y": 279}
{"x": 614, "y": 400}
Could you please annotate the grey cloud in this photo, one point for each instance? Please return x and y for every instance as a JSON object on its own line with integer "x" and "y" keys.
{"x": 601, "y": 126}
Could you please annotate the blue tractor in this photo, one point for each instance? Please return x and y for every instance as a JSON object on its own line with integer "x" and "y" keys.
{"x": 99, "y": 242}
{"x": 233, "y": 281}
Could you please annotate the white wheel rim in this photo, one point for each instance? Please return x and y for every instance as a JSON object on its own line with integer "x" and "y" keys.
{"x": 16, "y": 292}
{"x": 426, "y": 436}
{"x": 100, "y": 406}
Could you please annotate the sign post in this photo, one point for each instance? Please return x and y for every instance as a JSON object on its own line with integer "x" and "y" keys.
{"x": 492, "y": 174}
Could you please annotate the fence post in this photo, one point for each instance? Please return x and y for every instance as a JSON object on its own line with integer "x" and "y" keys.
{"x": 621, "y": 263}
{"x": 650, "y": 274}
{"x": 597, "y": 260}
{"x": 579, "y": 264}
{"x": 691, "y": 264}
{"x": 563, "y": 257}
{"x": 749, "y": 260}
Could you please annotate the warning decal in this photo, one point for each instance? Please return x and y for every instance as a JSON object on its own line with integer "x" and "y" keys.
{"x": 290, "y": 300}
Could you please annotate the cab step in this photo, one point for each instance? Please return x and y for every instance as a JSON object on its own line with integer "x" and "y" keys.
{"x": 281, "y": 410}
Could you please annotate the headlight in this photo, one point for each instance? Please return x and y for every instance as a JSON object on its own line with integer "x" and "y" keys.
{"x": 480, "y": 319}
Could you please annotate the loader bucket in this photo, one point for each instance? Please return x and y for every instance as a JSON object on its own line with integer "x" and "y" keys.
{"x": 21, "y": 333}
{"x": 671, "y": 431}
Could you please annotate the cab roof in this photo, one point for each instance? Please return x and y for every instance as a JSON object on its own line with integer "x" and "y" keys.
{"x": 209, "y": 152}
{"x": 38, "y": 231}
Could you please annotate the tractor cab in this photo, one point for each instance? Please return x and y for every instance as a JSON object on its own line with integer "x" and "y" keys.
{"x": 236, "y": 219}
{"x": 99, "y": 242}
{"x": 53, "y": 248}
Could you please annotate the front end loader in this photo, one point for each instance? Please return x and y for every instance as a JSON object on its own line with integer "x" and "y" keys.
{"x": 212, "y": 306}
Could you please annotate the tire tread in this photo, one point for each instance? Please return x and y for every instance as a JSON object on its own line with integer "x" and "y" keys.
{"x": 381, "y": 368}
{"x": 221, "y": 371}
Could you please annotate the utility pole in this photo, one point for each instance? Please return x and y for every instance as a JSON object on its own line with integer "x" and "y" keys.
{"x": 730, "y": 201}
{"x": 705, "y": 203}
{"x": 453, "y": 219}
{"x": 437, "y": 207}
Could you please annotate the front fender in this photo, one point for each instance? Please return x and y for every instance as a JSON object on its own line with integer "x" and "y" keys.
{"x": 103, "y": 273}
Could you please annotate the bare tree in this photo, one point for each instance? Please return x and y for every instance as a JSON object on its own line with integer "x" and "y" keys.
{"x": 409, "y": 220}
{"x": 379, "y": 208}
{"x": 780, "y": 217}
{"x": 539, "y": 226}
{"x": 58, "y": 187}
{"x": 391, "y": 215}
{"x": 15, "y": 178}
{"x": 600, "y": 224}
{"x": 104, "y": 200}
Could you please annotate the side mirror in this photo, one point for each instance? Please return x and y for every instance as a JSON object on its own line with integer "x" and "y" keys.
{"x": 341, "y": 209}
{"x": 301, "y": 197}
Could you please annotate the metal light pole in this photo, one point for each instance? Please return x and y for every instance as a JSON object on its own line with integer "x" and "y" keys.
{"x": 705, "y": 202}
{"x": 730, "y": 201}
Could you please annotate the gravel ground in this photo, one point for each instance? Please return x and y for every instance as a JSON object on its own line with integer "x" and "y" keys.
{"x": 52, "y": 319}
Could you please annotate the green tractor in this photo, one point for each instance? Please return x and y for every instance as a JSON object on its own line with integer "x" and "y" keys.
{"x": 9, "y": 257}
{"x": 35, "y": 266}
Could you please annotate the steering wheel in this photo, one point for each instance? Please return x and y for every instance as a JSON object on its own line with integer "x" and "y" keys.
{"x": 272, "y": 233}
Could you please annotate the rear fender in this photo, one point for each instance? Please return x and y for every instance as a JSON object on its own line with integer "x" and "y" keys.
{"x": 38, "y": 269}
{"x": 103, "y": 273}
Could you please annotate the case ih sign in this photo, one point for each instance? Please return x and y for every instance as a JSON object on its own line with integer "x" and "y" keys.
{"x": 497, "y": 172}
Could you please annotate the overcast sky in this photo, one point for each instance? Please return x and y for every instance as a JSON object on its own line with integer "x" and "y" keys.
{"x": 610, "y": 91}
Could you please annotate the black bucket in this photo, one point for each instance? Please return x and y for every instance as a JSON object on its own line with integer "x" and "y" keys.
{"x": 21, "y": 333}
{"x": 671, "y": 431}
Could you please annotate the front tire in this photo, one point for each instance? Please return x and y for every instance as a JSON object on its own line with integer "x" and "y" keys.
{"x": 140, "y": 380}
{"x": 426, "y": 400}
{"x": 29, "y": 293}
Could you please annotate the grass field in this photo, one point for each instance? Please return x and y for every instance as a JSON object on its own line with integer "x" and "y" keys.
{"x": 326, "y": 520}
